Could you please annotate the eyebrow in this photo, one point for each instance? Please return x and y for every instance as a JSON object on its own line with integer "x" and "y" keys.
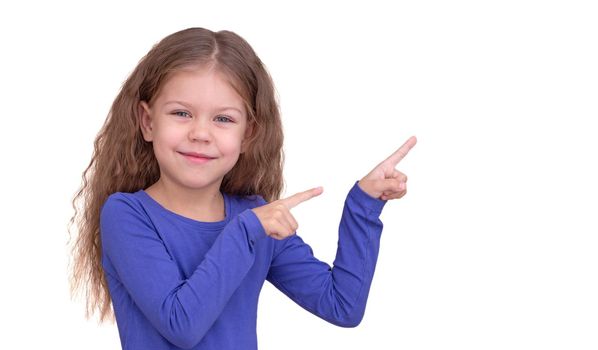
{"x": 189, "y": 106}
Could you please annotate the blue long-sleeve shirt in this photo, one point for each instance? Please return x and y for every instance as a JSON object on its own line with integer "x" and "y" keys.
{"x": 177, "y": 283}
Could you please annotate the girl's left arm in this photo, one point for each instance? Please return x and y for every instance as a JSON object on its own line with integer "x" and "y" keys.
{"x": 338, "y": 294}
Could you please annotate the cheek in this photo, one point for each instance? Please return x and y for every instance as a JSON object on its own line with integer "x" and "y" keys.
{"x": 165, "y": 141}
{"x": 231, "y": 143}
{"x": 160, "y": 141}
{"x": 170, "y": 136}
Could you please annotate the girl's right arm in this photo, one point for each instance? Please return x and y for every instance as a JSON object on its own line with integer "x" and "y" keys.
{"x": 182, "y": 310}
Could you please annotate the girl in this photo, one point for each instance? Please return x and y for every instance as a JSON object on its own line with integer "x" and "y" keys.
{"x": 181, "y": 220}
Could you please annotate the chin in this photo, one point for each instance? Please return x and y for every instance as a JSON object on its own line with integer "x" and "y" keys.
{"x": 201, "y": 185}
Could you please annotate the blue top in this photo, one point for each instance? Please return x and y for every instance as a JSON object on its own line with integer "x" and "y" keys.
{"x": 178, "y": 283}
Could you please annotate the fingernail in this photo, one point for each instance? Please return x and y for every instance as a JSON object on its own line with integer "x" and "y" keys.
{"x": 402, "y": 186}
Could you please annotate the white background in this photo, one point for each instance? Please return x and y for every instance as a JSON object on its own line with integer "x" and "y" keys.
{"x": 494, "y": 246}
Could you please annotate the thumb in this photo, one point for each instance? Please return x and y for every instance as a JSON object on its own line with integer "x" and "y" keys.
{"x": 301, "y": 197}
{"x": 375, "y": 188}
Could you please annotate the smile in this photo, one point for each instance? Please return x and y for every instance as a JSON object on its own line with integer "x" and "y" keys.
{"x": 197, "y": 158}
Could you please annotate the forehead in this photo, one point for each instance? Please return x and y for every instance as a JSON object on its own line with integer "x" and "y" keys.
{"x": 201, "y": 86}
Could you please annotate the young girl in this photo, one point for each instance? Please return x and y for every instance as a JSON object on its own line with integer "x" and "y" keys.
{"x": 181, "y": 221}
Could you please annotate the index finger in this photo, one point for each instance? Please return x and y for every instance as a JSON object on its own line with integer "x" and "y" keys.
{"x": 301, "y": 197}
{"x": 399, "y": 154}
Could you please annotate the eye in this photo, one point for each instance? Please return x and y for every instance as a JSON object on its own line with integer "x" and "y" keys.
{"x": 223, "y": 119}
{"x": 181, "y": 114}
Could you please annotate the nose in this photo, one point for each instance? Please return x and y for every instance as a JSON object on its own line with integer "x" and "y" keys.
{"x": 200, "y": 130}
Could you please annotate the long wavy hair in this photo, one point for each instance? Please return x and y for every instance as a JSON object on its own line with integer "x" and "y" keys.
{"x": 123, "y": 161}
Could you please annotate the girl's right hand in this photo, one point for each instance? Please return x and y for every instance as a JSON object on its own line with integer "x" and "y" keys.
{"x": 276, "y": 217}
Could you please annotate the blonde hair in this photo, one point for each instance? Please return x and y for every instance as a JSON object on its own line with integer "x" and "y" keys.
{"x": 123, "y": 161}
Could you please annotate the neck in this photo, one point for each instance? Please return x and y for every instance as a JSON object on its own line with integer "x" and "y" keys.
{"x": 201, "y": 204}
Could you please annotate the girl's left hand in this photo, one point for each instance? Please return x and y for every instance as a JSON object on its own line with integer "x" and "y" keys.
{"x": 385, "y": 182}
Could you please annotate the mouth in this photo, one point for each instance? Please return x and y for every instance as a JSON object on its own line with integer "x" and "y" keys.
{"x": 197, "y": 157}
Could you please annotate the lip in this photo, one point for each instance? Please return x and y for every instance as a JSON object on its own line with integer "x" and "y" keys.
{"x": 198, "y": 158}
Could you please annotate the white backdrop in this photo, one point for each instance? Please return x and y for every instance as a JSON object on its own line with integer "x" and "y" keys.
{"x": 494, "y": 246}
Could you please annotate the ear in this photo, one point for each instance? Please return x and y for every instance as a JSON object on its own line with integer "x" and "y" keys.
{"x": 145, "y": 121}
{"x": 247, "y": 137}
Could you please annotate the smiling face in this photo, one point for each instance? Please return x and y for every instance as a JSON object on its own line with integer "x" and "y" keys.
{"x": 197, "y": 124}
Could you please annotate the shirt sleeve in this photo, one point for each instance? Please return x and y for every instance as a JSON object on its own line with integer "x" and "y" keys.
{"x": 182, "y": 310}
{"x": 338, "y": 294}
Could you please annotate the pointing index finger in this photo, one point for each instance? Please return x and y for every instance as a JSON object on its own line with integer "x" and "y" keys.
{"x": 301, "y": 197}
{"x": 399, "y": 154}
